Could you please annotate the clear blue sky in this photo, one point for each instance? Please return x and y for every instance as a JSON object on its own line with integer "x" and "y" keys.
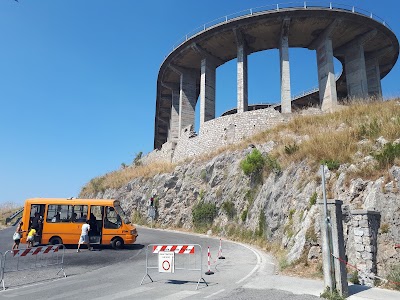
{"x": 78, "y": 83}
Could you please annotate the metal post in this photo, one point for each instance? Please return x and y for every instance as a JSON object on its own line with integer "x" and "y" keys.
{"x": 326, "y": 245}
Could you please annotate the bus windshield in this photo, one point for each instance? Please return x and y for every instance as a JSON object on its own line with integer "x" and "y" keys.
{"x": 121, "y": 213}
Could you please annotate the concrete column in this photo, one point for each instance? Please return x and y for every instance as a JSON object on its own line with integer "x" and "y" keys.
{"x": 373, "y": 78}
{"x": 242, "y": 75}
{"x": 187, "y": 99}
{"x": 326, "y": 76}
{"x": 174, "y": 120}
{"x": 365, "y": 228}
{"x": 286, "y": 106}
{"x": 333, "y": 249}
{"x": 207, "y": 91}
{"x": 356, "y": 75}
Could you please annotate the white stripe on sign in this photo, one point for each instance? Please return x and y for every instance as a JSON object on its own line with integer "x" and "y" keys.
{"x": 180, "y": 295}
{"x": 124, "y": 294}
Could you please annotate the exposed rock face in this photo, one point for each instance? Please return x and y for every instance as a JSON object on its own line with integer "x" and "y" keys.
{"x": 284, "y": 199}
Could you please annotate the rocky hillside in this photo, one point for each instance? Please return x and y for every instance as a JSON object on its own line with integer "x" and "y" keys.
{"x": 279, "y": 202}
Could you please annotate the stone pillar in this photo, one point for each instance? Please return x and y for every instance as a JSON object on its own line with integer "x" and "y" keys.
{"x": 326, "y": 76}
{"x": 365, "y": 228}
{"x": 207, "y": 91}
{"x": 356, "y": 75}
{"x": 242, "y": 76}
{"x": 286, "y": 105}
{"x": 373, "y": 78}
{"x": 187, "y": 99}
{"x": 335, "y": 246}
{"x": 174, "y": 120}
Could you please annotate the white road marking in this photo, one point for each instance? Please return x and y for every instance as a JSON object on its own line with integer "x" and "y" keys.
{"x": 214, "y": 294}
{"x": 80, "y": 291}
{"x": 255, "y": 268}
{"x": 180, "y": 295}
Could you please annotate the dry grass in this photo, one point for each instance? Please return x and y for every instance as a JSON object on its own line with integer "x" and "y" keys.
{"x": 6, "y": 210}
{"x": 335, "y": 136}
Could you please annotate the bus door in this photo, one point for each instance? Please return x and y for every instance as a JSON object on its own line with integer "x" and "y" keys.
{"x": 96, "y": 224}
{"x": 36, "y": 220}
{"x": 112, "y": 224}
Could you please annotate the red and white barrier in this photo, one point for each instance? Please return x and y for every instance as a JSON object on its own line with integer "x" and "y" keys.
{"x": 178, "y": 249}
{"x": 220, "y": 256}
{"x": 397, "y": 246}
{"x": 36, "y": 251}
{"x": 209, "y": 272}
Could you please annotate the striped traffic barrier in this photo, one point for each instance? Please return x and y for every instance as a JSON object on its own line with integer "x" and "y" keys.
{"x": 209, "y": 272}
{"x": 32, "y": 258}
{"x": 397, "y": 246}
{"x": 168, "y": 258}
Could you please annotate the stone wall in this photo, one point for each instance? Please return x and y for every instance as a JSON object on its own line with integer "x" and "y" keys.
{"x": 217, "y": 133}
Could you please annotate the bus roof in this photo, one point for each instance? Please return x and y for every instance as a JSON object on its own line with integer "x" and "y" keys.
{"x": 70, "y": 201}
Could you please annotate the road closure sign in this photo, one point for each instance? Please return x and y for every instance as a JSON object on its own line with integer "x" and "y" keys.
{"x": 166, "y": 263}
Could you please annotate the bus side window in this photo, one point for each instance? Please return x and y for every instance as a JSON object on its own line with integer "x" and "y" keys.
{"x": 112, "y": 220}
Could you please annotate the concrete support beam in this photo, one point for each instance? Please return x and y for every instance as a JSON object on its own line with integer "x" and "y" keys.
{"x": 356, "y": 74}
{"x": 173, "y": 126}
{"x": 187, "y": 96}
{"x": 285, "y": 67}
{"x": 373, "y": 78}
{"x": 326, "y": 76}
{"x": 207, "y": 91}
{"x": 242, "y": 75}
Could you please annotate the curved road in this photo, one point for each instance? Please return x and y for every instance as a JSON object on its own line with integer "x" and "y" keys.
{"x": 110, "y": 274}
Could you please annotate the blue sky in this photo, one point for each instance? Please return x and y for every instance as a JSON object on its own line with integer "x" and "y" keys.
{"x": 78, "y": 83}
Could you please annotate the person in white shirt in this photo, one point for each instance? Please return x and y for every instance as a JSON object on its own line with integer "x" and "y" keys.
{"x": 84, "y": 239}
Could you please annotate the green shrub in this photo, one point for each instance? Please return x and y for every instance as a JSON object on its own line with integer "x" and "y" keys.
{"x": 253, "y": 163}
{"x": 394, "y": 276}
{"x": 261, "y": 224}
{"x": 204, "y": 214}
{"x": 203, "y": 175}
{"x": 385, "y": 228}
{"x": 332, "y": 295}
{"x": 369, "y": 130}
{"x": 388, "y": 154}
{"x": 229, "y": 209}
{"x": 243, "y": 216}
{"x": 331, "y": 164}
{"x": 138, "y": 157}
{"x": 313, "y": 200}
{"x": 353, "y": 278}
{"x": 291, "y": 148}
{"x": 272, "y": 164}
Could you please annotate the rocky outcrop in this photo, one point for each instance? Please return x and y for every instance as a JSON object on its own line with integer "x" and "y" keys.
{"x": 285, "y": 200}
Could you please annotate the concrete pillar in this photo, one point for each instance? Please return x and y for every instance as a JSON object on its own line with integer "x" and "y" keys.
{"x": 365, "y": 228}
{"x": 187, "y": 99}
{"x": 286, "y": 106}
{"x": 333, "y": 249}
{"x": 242, "y": 75}
{"x": 356, "y": 75}
{"x": 373, "y": 78}
{"x": 326, "y": 76}
{"x": 207, "y": 91}
{"x": 174, "y": 120}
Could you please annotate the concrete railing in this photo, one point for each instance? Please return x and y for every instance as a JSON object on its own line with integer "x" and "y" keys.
{"x": 272, "y": 8}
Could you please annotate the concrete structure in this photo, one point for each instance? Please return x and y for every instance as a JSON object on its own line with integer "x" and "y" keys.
{"x": 365, "y": 229}
{"x": 367, "y": 49}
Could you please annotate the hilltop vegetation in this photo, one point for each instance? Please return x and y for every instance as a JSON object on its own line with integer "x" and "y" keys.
{"x": 338, "y": 138}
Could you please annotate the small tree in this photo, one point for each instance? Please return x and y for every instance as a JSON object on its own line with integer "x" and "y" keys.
{"x": 137, "y": 159}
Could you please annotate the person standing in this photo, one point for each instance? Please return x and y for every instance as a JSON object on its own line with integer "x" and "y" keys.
{"x": 84, "y": 239}
{"x": 31, "y": 237}
{"x": 17, "y": 236}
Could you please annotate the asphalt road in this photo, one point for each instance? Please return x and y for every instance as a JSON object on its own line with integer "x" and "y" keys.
{"x": 117, "y": 274}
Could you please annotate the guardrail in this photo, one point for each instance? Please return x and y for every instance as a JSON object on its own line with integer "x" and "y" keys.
{"x": 272, "y": 8}
{"x": 31, "y": 258}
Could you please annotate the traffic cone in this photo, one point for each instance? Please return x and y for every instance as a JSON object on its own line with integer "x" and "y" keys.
{"x": 209, "y": 272}
{"x": 220, "y": 250}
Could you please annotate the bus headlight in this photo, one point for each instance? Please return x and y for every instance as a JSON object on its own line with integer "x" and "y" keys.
{"x": 134, "y": 232}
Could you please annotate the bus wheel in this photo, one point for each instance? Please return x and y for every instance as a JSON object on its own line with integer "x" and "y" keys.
{"x": 55, "y": 240}
{"x": 117, "y": 243}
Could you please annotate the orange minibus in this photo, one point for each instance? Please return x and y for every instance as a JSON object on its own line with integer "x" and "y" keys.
{"x": 60, "y": 220}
